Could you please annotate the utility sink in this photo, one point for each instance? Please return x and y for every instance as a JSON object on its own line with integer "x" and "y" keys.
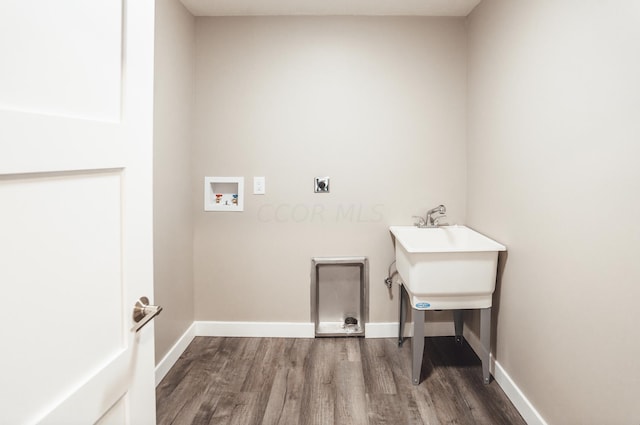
{"x": 446, "y": 267}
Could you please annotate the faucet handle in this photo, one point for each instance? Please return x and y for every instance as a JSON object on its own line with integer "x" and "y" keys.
{"x": 436, "y": 221}
{"x": 421, "y": 222}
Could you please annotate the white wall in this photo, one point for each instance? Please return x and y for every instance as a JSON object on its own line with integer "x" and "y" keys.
{"x": 377, "y": 104}
{"x": 173, "y": 133}
{"x": 553, "y": 148}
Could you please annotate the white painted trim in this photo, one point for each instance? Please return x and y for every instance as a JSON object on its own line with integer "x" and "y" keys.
{"x": 307, "y": 330}
{"x": 382, "y": 330}
{"x": 474, "y": 341}
{"x": 256, "y": 329}
{"x": 513, "y": 392}
{"x": 517, "y": 397}
{"x": 390, "y": 329}
{"x": 172, "y": 356}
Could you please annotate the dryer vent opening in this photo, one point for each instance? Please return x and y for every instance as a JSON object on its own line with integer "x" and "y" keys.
{"x": 339, "y": 295}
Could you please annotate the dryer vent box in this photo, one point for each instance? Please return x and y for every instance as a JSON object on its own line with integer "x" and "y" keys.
{"x": 339, "y": 295}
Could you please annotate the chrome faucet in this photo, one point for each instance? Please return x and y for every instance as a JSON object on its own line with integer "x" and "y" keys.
{"x": 430, "y": 220}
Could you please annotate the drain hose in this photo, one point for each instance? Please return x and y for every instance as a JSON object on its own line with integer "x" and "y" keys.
{"x": 388, "y": 281}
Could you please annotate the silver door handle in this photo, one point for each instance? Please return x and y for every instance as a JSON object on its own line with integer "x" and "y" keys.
{"x": 143, "y": 312}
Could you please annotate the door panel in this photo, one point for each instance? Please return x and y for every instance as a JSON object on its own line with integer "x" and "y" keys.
{"x": 66, "y": 285}
{"x": 116, "y": 415}
{"x": 39, "y": 143}
{"x": 62, "y": 57}
{"x": 75, "y": 211}
{"x": 98, "y": 395}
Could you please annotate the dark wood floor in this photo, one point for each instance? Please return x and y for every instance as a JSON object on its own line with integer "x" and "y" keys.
{"x": 327, "y": 381}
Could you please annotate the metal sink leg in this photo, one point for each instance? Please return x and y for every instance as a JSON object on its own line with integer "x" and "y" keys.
{"x": 403, "y": 315}
{"x": 458, "y": 321}
{"x": 485, "y": 339}
{"x": 417, "y": 345}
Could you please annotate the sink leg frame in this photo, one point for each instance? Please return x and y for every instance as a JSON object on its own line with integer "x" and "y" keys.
{"x": 458, "y": 321}
{"x": 403, "y": 315}
{"x": 485, "y": 339}
{"x": 417, "y": 343}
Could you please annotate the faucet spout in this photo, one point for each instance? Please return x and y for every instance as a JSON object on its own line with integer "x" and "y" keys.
{"x": 432, "y": 221}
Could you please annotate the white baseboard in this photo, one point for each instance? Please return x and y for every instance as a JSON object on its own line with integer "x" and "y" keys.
{"x": 307, "y": 330}
{"x": 476, "y": 345}
{"x": 174, "y": 353}
{"x": 390, "y": 329}
{"x": 256, "y": 329}
{"x": 513, "y": 392}
{"x": 519, "y": 400}
{"x": 381, "y": 330}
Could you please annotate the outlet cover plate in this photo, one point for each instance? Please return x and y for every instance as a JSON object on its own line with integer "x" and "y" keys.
{"x": 321, "y": 185}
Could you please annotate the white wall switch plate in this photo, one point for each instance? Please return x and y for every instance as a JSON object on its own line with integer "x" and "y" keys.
{"x": 258, "y": 186}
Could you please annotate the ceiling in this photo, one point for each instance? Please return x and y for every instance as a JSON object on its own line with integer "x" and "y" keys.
{"x": 330, "y": 7}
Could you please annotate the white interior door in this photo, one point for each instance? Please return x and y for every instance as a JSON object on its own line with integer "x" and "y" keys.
{"x": 76, "y": 88}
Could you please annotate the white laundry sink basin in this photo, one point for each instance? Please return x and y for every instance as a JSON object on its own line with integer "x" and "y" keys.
{"x": 446, "y": 267}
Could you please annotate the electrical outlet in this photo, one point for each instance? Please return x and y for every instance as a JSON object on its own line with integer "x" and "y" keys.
{"x": 321, "y": 185}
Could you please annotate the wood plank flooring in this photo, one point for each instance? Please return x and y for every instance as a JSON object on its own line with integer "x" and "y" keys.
{"x": 325, "y": 381}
